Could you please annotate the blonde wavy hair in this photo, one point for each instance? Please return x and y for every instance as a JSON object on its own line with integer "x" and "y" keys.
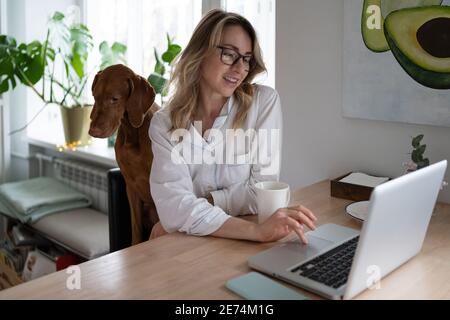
{"x": 185, "y": 78}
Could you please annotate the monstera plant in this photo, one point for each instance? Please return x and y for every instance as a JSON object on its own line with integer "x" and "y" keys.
{"x": 55, "y": 69}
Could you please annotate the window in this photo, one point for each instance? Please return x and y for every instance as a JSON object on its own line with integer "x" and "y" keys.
{"x": 141, "y": 25}
{"x": 261, "y": 14}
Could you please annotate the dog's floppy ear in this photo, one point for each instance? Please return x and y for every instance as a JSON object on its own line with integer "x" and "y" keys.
{"x": 139, "y": 101}
{"x": 95, "y": 81}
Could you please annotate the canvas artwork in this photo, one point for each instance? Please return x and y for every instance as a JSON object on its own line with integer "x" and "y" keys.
{"x": 396, "y": 61}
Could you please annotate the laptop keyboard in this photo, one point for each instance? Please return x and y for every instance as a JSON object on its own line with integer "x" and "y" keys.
{"x": 331, "y": 268}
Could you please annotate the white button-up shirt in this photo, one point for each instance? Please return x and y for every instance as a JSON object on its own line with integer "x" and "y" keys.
{"x": 180, "y": 183}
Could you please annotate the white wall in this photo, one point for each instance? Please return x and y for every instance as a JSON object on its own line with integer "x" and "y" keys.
{"x": 318, "y": 142}
{"x": 4, "y": 142}
{"x": 16, "y": 99}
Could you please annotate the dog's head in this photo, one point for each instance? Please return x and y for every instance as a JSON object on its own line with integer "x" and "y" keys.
{"x": 119, "y": 92}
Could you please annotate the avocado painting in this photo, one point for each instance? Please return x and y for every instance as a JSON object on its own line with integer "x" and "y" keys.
{"x": 374, "y": 13}
{"x": 397, "y": 60}
{"x": 419, "y": 38}
{"x": 418, "y": 34}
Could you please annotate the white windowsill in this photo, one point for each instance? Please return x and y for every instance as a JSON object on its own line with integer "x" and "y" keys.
{"x": 96, "y": 152}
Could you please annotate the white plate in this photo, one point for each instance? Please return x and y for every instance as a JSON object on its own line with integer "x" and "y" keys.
{"x": 358, "y": 210}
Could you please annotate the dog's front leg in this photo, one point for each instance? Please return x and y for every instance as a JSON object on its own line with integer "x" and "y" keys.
{"x": 136, "y": 209}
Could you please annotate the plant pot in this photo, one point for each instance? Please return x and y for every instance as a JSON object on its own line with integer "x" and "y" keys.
{"x": 76, "y": 121}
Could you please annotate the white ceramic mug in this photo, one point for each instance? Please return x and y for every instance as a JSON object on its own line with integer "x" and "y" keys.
{"x": 270, "y": 196}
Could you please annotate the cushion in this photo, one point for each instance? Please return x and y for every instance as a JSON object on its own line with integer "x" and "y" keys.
{"x": 84, "y": 231}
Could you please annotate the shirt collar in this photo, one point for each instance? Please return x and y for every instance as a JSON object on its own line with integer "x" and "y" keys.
{"x": 224, "y": 113}
{"x": 196, "y": 137}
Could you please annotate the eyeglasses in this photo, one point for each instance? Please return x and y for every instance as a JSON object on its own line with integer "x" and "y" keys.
{"x": 230, "y": 57}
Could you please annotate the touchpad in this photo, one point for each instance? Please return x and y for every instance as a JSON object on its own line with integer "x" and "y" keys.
{"x": 332, "y": 232}
{"x": 304, "y": 251}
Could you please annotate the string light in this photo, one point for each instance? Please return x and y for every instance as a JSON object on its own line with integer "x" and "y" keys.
{"x": 71, "y": 145}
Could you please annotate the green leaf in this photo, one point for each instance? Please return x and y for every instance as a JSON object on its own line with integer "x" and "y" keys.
{"x": 7, "y": 41}
{"x": 81, "y": 34}
{"x": 167, "y": 56}
{"x": 29, "y": 65}
{"x": 175, "y": 47}
{"x": 4, "y": 86}
{"x": 103, "y": 47}
{"x": 415, "y": 156}
{"x": 416, "y": 140}
{"x": 157, "y": 58}
{"x": 77, "y": 65}
{"x": 22, "y": 47}
{"x": 35, "y": 70}
{"x": 6, "y": 66}
{"x": 171, "y": 53}
{"x": 51, "y": 53}
{"x": 157, "y": 82}
{"x": 66, "y": 68}
{"x": 57, "y": 16}
{"x": 160, "y": 69}
{"x": 8, "y": 54}
{"x": 119, "y": 47}
{"x": 83, "y": 27}
{"x": 81, "y": 41}
{"x": 13, "y": 82}
{"x": 34, "y": 46}
{"x": 159, "y": 66}
{"x": 421, "y": 149}
{"x": 112, "y": 55}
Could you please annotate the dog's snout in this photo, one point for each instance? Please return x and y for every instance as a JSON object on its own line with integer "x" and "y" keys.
{"x": 94, "y": 132}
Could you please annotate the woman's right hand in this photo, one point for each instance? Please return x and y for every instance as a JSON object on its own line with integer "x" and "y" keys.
{"x": 285, "y": 220}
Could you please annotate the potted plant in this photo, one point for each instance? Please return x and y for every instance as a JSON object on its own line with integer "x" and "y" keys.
{"x": 417, "y": 157}
{"x": 158, "y": 78}
{"x": 60, "y": 62}
{"x": 417, "y": 160}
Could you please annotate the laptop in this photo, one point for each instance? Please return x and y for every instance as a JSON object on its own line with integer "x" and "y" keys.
{"x": 340, "y": 262}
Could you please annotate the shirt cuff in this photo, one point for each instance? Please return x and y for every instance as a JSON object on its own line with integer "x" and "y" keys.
{"x": 206, "y": 224}
{"x": 220, "y": 199}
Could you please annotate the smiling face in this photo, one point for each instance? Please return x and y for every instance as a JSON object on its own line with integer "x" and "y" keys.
{"x": 218, "y": 78}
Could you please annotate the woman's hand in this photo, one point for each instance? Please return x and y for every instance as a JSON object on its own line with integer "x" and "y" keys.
{"x": 285, "y": 220}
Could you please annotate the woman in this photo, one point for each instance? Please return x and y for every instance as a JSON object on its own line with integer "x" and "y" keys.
{"x": 213, "y": 94}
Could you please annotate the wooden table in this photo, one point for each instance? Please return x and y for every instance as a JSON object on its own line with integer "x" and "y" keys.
{"x": 178, "y": 266}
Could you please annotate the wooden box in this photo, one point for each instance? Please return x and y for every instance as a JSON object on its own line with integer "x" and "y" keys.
{"x": 349, "y": 191}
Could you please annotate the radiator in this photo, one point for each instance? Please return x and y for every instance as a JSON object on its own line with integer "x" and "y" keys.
{"x": 90, "y": 180}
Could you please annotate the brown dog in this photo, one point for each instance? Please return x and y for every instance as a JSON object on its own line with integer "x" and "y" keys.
{"x": 124, "y": 100}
